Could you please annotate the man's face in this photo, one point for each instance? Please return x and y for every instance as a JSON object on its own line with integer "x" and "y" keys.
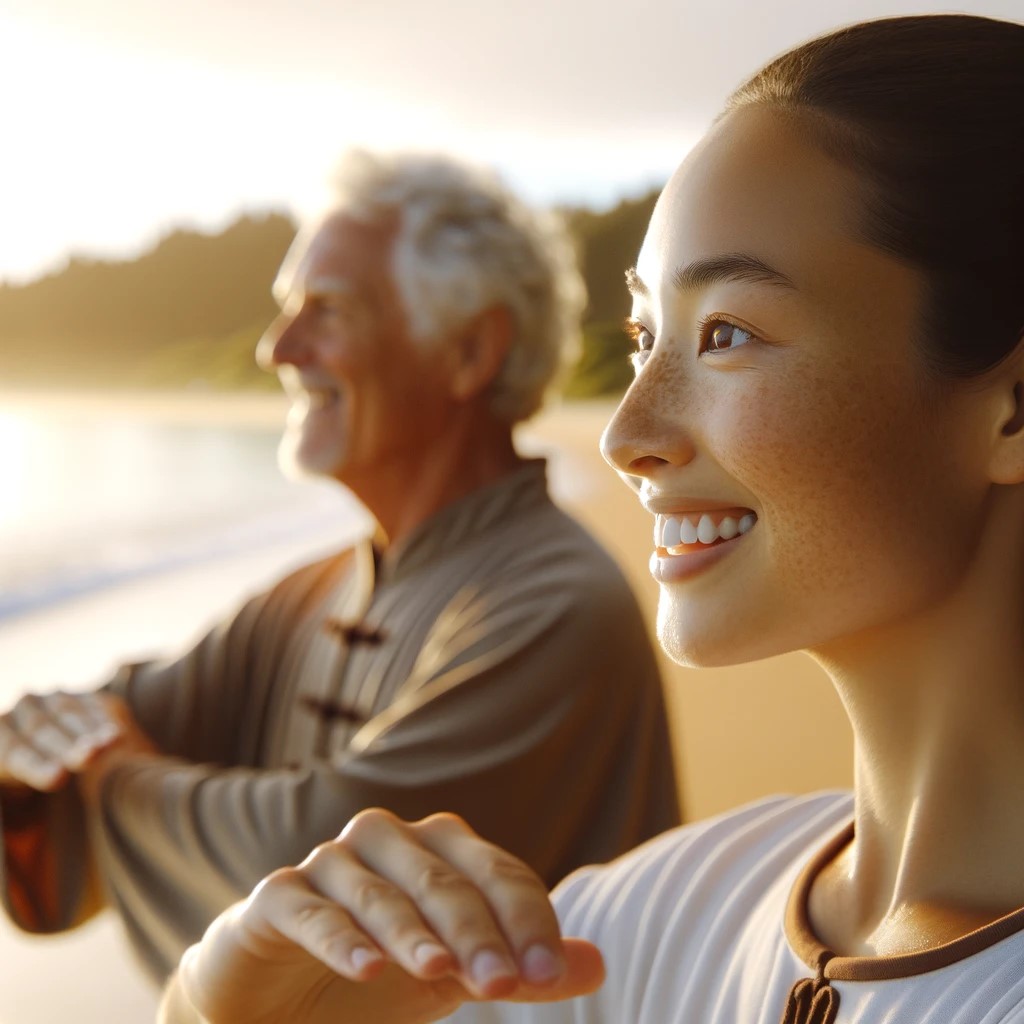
{"x": 367, "y": 400}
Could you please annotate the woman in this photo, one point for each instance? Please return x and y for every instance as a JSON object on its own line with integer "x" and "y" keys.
{"x": 828, "y": 423}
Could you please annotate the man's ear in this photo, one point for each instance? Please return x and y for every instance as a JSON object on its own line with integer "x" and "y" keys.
{"x": 478, "y": 352}
{"x": 1006, "y": 464}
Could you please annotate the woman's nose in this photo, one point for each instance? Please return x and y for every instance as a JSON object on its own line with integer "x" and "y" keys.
{"x": 646, "y": 433}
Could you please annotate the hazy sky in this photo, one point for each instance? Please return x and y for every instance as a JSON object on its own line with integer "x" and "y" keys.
{"x": 123, "y": 117}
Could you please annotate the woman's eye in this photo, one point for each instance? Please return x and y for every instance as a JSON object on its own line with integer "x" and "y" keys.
{"x": 643, "y": 339}
{"x": 720, "y": 336}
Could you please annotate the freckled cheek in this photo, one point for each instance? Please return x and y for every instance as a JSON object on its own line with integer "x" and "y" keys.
{"x": 814, "y": 459}
{"x": 766, "y": 438}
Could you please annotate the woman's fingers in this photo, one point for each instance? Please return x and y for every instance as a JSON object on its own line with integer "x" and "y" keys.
{"x": 517, "y": 897}
{"x": 584, "y": 973}
{"x": 413, "y": 905}
{"x": 289, "y": 955}
{"x": 286, "y": 905}
{"x": 390, "y": 923}
{"x": 431, "y": 896}
{"x": 294, "y": 908}
{"x": 386, "y": 916}
{"x": 483, "y": 907}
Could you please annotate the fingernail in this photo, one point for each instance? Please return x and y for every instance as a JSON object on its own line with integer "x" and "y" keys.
{"x": 488, "y": 967}
{"x": 427, "y": 952}
{"x": 363, "y": 956}
{"x": 542, "y": 965}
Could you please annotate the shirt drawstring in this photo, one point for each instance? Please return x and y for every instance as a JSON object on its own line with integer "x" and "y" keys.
{"x": 812, "y": 1000}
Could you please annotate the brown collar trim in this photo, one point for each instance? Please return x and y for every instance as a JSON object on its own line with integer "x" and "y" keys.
{"x": 877, "y": 968}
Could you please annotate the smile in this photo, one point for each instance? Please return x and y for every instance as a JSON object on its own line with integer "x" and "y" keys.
{"x": 686, "y": 544}
{"x": 321, "y": 398}
{"x": 683, "y": 532}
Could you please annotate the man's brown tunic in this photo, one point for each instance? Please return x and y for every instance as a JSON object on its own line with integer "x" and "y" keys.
{"x": 494, "y": 665}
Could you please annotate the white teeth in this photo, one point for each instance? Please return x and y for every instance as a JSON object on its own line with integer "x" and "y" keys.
{"x": 670, "y": 536}
{"x": 319, "y": 398}
{"x": 687, "y": 532}
{"x": 706, "y": 530}
{"x": 672, "y": 531}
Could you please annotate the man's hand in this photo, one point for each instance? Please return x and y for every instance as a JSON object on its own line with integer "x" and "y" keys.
{"x": 390, "y": 923}
{"x": 130, "y": 743}
{"x": 43, "y": 739}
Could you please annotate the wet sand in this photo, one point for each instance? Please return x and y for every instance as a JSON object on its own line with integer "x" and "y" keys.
{"x": 740, "y": 733}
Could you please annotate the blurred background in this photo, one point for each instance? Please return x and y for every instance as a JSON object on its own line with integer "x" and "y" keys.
{"x": 157, "y": 159}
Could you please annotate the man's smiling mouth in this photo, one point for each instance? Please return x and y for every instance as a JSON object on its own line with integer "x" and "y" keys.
{"x": 319, "y": 399}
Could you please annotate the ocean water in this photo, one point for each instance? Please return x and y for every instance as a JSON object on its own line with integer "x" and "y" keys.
{"x": 92, "y": 495}
{"x": 127, "y": 526}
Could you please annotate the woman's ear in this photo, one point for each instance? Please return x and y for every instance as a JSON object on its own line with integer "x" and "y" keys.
{"x": 1007, "y": 457}
{"x": 478, "y": 352}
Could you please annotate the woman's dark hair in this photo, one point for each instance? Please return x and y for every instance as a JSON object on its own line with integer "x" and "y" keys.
{"x": 930, "y": 111}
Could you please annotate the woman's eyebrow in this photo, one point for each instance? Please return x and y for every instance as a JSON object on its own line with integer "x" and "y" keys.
{"x": 731, "y": 266}
{"x": 635, "y": 284}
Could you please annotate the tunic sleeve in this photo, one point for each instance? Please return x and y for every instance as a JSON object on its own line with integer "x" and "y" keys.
{"x": 206, "y": 706}
{"x": 534, "y": 710}
{"x": 531, "y": 713}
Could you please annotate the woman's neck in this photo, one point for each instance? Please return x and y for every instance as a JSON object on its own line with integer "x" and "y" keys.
{"x": 937, "y": 708}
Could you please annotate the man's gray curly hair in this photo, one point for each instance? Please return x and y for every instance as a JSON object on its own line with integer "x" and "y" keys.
{"x": 466, "y": 243}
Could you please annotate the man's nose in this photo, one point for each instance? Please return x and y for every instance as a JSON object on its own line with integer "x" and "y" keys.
{"x": 647, "y": 432}
{"x": 281, "y": 344}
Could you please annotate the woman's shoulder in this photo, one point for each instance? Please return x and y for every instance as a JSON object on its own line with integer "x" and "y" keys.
{"x": 747, "y": 848}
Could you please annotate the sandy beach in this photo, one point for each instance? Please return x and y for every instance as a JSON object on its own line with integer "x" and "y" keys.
{"x": 740, "y": 733}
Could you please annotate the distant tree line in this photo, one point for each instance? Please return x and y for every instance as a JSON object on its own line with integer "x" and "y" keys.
{"x": 188, "y": 312}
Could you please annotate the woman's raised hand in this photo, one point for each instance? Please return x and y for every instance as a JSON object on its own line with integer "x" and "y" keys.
{"x": 390, "y": 923}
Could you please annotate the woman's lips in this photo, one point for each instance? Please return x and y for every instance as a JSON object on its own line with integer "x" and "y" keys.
{"x": 687, "y": 560}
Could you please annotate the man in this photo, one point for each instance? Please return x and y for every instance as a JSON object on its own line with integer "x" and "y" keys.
{"x": 482, "y": 655}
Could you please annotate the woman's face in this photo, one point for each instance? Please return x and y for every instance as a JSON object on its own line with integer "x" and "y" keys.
{"x": 777, "y": 378}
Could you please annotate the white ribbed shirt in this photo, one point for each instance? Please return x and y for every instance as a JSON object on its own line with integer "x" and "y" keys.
{"x": 693, "y": 927}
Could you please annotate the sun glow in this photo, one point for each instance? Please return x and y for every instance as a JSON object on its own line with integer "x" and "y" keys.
{"x": 18, "y": 435}
{"x": 110, "y": 139}
{"x": 122, "y": 126}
